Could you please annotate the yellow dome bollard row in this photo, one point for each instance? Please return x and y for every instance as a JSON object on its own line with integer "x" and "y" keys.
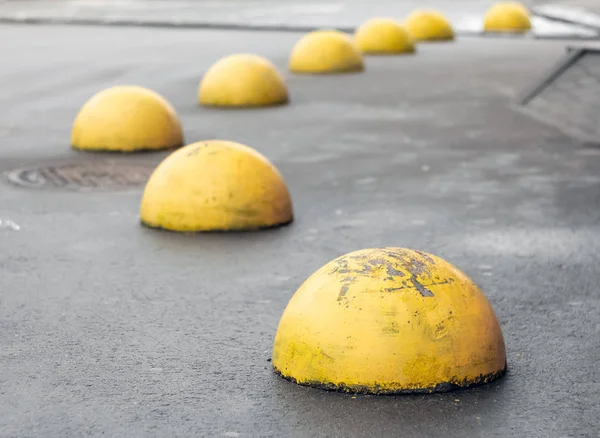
{"x": 243, "y": 80}
{"x": 325, "y": 51}
{"x": 215, "y": 186}
{"x": 389, "y": 320}
{"x": 383, "y": 36}
{"x": 126, "y": 119}
{"x": 429, "y": 25}
{"x": 510, "y": 17}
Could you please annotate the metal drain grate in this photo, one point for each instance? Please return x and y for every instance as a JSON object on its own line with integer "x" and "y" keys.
{"x": 568, "y": 96}
{"x": 82, "y": 176}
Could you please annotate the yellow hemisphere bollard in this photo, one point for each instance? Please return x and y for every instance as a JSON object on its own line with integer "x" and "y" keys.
{"x": 383, "y": 36}
{"x": 507, "y": 18}
{"x": 429, "y": 25}
{"x": 325, "y": 51}
{"x": 243, "y": 80}
{"x": 126, "y": 119}
{"x": 215, "y": 186}
{"x": 389, "y": 320}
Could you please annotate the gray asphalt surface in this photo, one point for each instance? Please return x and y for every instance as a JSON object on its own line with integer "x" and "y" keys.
{"x": 108, "y": 328}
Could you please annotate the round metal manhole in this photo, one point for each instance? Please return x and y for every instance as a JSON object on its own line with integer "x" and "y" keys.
{"x": 83, "y": 176}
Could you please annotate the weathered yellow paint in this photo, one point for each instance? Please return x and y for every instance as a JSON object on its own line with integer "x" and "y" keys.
{"x": 511, "y": 17}
{"x": 215, "y": 186}
{"x": 243, "y": 80}
{"x": 429, "y": 25}
{"x": 126, "y": 118}
{"x": 383, "y": 36}
{"x": 389, "y": 320}
{"x": 325, "y": 51}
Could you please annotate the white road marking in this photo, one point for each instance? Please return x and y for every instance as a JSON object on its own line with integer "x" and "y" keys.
{"x": 9, "y": 225}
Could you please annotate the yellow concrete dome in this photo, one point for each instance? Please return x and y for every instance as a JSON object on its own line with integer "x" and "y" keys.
{"x": 325, "y": 51}
{"x": 389, "y": 320}
{"x": 429, "y": 25}
{"x": 383, "y": 36}
{"x": 243, "y": 80}
{"x": 507, "y": 18}
{"x": 126, "y": 119}
{"x": 215, "y": 186}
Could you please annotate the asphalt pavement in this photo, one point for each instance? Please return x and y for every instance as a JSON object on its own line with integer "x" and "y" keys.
{"x": 109, "y": 328}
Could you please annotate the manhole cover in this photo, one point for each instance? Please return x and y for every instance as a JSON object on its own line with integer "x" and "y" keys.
{"x": 82, "y": 176}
